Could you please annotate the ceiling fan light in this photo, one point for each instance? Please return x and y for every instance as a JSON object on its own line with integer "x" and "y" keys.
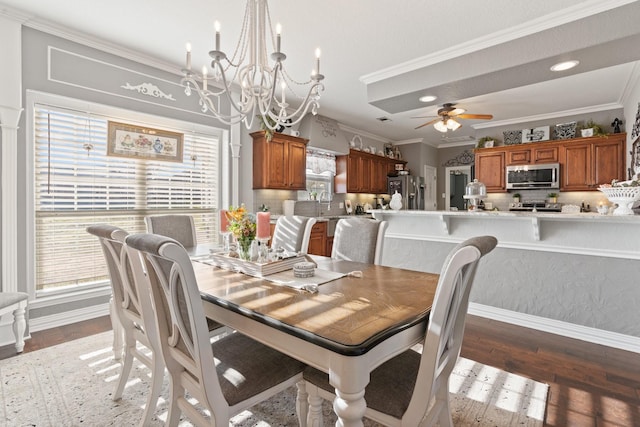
{"x": 440, "y": 125}
{"x": 456, "y": 111}
{"x": 563, "y": 66}
{"x": 452, "y": 124}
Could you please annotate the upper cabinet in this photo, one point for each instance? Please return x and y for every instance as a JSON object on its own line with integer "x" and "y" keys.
{"x": 590, "y": 162}
{"x": 280, "y": 163}
{"x": 360, "y": 172}
{"x": 585, "y": 163}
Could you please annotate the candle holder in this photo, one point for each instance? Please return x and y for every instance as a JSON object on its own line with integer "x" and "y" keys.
{"x": 263, "y": 249}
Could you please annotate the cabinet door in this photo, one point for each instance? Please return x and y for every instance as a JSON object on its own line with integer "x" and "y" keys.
{"x": 365, "y": 175}
{"x": 575, "y": 164}
{"x": 276, "y": 173}
{"x": 354, "y": 170}
{"x": 490, "y": 170}
{"x": 544, "y": 155}
{"x": 379, "y": 177}
{"x": 297, "y": 173}
{"x": 518, "y": 157}
{"x": 608, "y": 162}
{"x": 317, "y": 240}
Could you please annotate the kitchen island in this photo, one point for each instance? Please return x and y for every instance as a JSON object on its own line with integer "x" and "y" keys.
{"x": 572, "y": 274}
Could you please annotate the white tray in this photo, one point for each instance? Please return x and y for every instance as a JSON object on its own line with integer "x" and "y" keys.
{"x": 256, "y": 269}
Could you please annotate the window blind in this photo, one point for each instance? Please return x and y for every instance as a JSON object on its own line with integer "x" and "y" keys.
{"x": 77, "y": 184}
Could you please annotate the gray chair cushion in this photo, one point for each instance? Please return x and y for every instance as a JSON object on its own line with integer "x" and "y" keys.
{"x": 178, "y": 227}
{"x": 7, "y": 299}
{"x": 259, "y": 366}
{"x": 390, "y": 388}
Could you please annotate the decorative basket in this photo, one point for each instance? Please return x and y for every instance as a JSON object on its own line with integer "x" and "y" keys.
{"x": 624, "y": 197}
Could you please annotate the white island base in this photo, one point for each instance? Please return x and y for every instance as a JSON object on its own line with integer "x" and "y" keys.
{"x": 571, "y": 274}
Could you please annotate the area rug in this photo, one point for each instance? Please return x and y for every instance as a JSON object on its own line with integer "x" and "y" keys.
{"x": 71, "y": 385}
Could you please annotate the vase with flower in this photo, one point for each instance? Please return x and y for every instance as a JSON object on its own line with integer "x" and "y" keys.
{"x": 242, "y": 225}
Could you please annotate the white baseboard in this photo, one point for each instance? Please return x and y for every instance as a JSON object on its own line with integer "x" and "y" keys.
{"x": 68, "y": 317}
{"x": 558, "y": 327}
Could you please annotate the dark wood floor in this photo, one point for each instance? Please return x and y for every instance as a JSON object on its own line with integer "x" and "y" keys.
{"x": 590, "y": 385}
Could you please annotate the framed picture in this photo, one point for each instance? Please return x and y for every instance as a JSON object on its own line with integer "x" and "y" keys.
{"x": 535, "y": 134}
{"x": 488, "y": 144}
{"x": 144, "y": 143}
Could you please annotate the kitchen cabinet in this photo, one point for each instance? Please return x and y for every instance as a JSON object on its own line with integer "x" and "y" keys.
{"x": 536, "y": 153}
{"x": 590, "y": 162}
{"x": 360, "y": 172}
{"x": 318, "y": 239}
{"x": 280, "y": 163}
{"x": 585, "y": 163}
{"x": 490, "y": 170}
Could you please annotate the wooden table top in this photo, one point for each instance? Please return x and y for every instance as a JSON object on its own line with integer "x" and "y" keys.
{"x": 349, "y": 315}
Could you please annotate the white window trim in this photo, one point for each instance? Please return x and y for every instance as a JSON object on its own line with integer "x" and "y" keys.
{"x": 35, "y": 97}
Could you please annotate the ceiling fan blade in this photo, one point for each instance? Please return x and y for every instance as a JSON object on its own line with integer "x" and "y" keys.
{"x": 475, "y": 116}
{"x": 423, "y": 117}
{"x": 456, "y": 112}
{"x": 428, "y": 123}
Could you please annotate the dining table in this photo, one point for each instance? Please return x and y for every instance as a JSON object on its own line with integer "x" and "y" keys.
{"x": 345, "y": 327}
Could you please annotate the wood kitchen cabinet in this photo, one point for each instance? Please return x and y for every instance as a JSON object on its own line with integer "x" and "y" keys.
{"x": 587, "y": 163}
{"x": 280, "y": 163}
{"x": 318, "y": 239}
{"x": 360, "y": 172}
{"x": 535, "y": 153}
{"x": 490, "y": 170}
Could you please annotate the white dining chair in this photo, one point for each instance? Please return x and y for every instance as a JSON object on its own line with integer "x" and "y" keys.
{"x": 178, "y": 227}
{"x": 16, "y": 303}
{"x": 292, "y": 233}
{"x": 226, "y": 377}
{"x": 359, "y": 240}
{"x": 131, "y": 325}
{"x": 412, "y": 389}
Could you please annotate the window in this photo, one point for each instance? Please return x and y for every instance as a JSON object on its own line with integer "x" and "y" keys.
{"x": 77, "y": 184}
{"x": 321, "y": 168}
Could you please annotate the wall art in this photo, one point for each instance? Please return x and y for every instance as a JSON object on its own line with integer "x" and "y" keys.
{"x": 144, "y": 143}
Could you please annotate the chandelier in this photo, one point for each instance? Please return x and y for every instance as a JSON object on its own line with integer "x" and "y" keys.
{"x": 264, "y": 89}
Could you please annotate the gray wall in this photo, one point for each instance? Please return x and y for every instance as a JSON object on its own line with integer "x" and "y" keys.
{"x": 91, "y": 75}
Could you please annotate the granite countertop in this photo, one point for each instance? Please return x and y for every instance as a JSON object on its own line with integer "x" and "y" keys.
{"x": 590, "y": 216}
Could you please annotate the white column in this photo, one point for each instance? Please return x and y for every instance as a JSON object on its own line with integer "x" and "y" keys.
{"x": 10, "y": 110}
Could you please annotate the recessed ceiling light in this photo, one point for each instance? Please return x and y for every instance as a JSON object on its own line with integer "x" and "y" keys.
{"x": 563, "y": 66}
{"x": 428, "y": 98}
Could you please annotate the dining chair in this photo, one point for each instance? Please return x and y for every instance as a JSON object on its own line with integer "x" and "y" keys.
{"x": 131, "y": 324}
{"x": 178, "y": 227}
{"x": 224, "y": 377}
{"x": 412, "y": 388}
{"x": 359, "y": 239}
{"x": 292, "y": 233}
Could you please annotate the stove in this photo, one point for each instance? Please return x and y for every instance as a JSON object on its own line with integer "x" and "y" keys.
{"x": 535, "y": 206}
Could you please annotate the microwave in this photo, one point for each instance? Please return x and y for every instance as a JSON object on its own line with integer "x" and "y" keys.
{"x": 522, "y": 177}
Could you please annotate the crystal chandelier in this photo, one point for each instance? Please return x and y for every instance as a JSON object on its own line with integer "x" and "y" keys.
{"x": 263, "y": 88}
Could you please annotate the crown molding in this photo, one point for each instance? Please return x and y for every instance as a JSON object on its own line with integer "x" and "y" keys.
{"x": 539, "y": 24}
{"x": 48, "y": 27}
{"x": 547, "y": 116}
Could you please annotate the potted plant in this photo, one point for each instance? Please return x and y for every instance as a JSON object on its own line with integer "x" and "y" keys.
{"x": 592, "y": 129}
{"x": 485, "y": 141}
{"x": 553, "y": 197}
{"x": 516, "y": 197}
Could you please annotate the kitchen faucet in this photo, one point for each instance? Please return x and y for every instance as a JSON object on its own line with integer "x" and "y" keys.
{"x": 323, "y": 195}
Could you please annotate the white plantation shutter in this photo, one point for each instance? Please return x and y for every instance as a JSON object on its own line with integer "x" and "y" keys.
{"x": 76, "y": 187}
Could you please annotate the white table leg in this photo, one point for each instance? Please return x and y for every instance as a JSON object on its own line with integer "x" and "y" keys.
{"x": 350, "y": 408}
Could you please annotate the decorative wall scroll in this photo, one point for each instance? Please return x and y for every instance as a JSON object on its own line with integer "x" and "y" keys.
{"x": 464, "y": 158}
{"x": 149, "y": 89}
{"x": 144, "y": 143}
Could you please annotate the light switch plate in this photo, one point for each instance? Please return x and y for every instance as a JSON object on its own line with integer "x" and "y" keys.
{"x": 341, "y": 205}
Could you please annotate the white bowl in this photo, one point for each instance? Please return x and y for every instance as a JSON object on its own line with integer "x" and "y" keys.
{"x": 624, "y": 197}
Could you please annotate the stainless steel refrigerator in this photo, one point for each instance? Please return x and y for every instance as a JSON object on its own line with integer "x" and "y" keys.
{"x": 411, "y": 188}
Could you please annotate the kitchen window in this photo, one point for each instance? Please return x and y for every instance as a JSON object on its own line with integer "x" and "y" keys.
{"x": 76, "y": 184}
{"x": 321, "y": 168}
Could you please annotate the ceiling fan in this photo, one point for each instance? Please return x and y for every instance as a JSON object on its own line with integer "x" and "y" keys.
{"x": 447, "y": 115}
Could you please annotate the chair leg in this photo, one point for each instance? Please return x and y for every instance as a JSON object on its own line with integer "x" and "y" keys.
{"x": 157, "y": 377}
{"x": 127, "y": 363}
{"x": 118, "y": 332}
{"x": 19, "y": 326}
{"x": 314, "y": 417}
{"x": 177, "y": 391}
{"x": 302, "y": 405}
{"x": 442, "y": 404}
